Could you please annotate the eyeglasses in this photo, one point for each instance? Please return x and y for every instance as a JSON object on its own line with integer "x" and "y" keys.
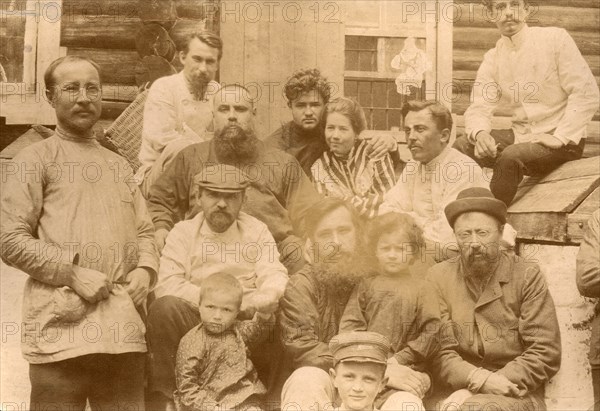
{"x": 481, "y": 235}
{"x": 92, "y": 90}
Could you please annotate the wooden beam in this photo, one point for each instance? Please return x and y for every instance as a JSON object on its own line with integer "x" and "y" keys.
{"x": 540, "y": 226}
{"x": 577, "y": 221}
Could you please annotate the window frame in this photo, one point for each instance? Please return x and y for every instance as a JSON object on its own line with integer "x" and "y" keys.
{"x": 25, "y": 102}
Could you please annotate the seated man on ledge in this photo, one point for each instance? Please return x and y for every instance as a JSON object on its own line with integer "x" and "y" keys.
{"x": 500, "y": 340}
{"x": 220, "y": 239}
{"x": 552, "y": 95}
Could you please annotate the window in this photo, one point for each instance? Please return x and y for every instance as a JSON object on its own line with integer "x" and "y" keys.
{"x": 370, "y": 78}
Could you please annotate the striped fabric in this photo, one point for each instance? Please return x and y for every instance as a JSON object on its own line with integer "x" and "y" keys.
{"x": 359, "y": 179}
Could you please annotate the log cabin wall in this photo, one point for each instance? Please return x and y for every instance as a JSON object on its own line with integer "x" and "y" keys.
{"x": 473, "y": 36}
{"x": 106, "y": 30}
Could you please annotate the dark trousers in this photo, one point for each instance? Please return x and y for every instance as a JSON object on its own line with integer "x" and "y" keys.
{"x": 514, "y": 161}
{"x": 169, "y": 319}
{"x": 108, "y": 381}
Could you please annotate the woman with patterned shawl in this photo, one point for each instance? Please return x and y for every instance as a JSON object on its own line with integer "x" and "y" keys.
{"x": 347, "y": 170}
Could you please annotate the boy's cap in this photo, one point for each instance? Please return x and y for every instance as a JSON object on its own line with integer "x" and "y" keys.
{"x": 222, "y": 177}
{"x": 360, "y": 346}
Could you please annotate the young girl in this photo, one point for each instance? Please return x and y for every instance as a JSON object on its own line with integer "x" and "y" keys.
{"x": 397, "y": 303}
{"x": 347, "y": 169}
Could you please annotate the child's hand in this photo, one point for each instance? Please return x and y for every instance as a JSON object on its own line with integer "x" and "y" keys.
{"x": 266, "y": 302}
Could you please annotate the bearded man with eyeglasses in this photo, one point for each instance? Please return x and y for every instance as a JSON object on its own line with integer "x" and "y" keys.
{"x": 500, "y": 337}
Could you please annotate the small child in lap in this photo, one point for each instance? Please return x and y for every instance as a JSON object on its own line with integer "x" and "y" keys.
{"x": 214, "y": 370}
{"x": 397, "y": 304}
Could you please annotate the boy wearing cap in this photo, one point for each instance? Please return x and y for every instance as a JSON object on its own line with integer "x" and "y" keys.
{"x": 359, "y": 364}
{"x": 219, "y": 239}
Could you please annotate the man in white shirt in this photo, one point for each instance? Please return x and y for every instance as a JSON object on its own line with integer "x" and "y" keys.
{"x": 178, "y": 110}
{"x": 220, "y": 239}
{"x": 434, "y": 176}
{"x": 540, "y": 75}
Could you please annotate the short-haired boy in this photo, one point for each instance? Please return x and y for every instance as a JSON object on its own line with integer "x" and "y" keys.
{"x": 359, "y": 364}
{"x": 214, "y": 370}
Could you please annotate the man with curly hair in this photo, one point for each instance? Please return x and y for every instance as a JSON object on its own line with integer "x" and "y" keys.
{"x": 307, "y": 92}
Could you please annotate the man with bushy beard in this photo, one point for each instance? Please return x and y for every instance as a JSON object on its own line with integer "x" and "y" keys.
{"x": 313, "y": 304}
{"x": 279, "y": 193}
{"x": 500, "y": 339}
{"x": 178, "y": 109}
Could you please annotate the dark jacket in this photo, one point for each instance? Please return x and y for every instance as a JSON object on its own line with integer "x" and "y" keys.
{"x": 511, "y": 329}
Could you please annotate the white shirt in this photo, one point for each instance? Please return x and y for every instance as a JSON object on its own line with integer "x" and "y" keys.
{"x": 424, "y": 190}
{"x": 245, "y": 250}
{"x": 545, "y": 81}
{"x": 171, "y": 113}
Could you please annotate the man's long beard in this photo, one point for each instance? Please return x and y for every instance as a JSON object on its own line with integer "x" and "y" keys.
{"x": 341, "y": 276}
{"x": 480, "y": 267}
{"x": 234, "y": 145}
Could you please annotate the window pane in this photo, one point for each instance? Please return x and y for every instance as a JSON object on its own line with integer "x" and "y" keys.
{"x": 352, "y": 42}
{"x": 367, "y": 61}
{"x": 394, "y": 119}
{"x": 351, "y": 60}
{"x": 379, "y": 120}
{"x": 367, "y": 43}
{"x": 379, "y": 94}
{"x": 351, "y": 88}
{"x": 395, "y": 99}
{"x": 364, "y": 94}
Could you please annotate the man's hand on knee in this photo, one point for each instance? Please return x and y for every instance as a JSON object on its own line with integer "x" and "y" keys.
{"x": 498, "y": 384}
{"x": 485, "y": 145}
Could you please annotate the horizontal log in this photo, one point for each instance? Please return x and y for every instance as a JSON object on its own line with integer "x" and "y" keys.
{"x": 469, "y": 60}
{"x": 120, "y": 10}
{"x": 158, "y": 11}
{"x": 184, "y": 28}
{"x": 102, "y": 31}
{"x": 117, "y": 66}
{"x": 485, "y": 38}
{"x": 569, "y": 18}
{"x": 197, "y": 9}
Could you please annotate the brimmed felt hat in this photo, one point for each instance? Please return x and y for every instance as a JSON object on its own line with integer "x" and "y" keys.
{"x": 360, "y": 346}
{"x": 475, "y": 199}
{"x": 222, "y": 177}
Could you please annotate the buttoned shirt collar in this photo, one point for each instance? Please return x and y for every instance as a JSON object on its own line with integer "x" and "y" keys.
{"x": 437, "y": 160}
{"x": 517, "y": 40}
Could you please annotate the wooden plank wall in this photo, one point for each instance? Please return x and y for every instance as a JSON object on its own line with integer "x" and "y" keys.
{"x": 264, "y": 48}
{"x": 105, "y": 30}
{"x": 473, "y": 36}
